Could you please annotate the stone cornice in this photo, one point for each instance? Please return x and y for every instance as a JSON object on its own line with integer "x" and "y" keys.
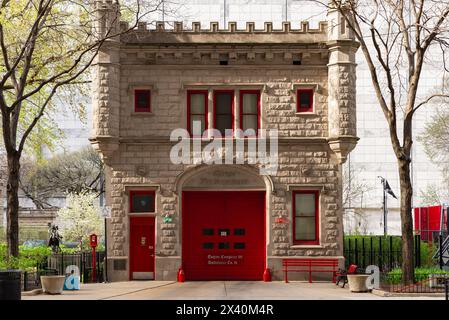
{"x": 166, "y": 140}
{"x": 333, "y": 44}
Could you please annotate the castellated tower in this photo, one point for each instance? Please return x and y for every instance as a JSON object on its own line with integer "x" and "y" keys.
{"x": 342, "y": 85}
{"x": 106, "y": 77}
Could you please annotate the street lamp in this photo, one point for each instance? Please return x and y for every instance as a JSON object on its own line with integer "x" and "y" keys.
{"x": 106, "y": 213}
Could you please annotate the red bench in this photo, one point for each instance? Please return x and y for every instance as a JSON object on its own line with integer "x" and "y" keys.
{"x": 310, "y": 266}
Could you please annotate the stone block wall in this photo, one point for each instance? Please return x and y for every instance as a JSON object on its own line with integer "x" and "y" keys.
{"x": 301, "y": 166}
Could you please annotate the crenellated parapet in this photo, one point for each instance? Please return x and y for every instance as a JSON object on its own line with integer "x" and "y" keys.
{"x": 178, "y": 33}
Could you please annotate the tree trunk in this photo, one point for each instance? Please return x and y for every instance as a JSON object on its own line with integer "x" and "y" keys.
{"x": 408, "y": 271}
{"x": 12, "y": 212}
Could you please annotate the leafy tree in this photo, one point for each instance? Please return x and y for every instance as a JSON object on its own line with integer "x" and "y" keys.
{"x": 80, "y": 218}
{"x": 398, "y": 39}
{"x": 46, "y": 48}
{"x": 73, "y": 172}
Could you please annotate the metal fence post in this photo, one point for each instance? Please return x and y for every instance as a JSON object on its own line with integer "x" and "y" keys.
{"x": 25, "y": 281}
{"x": 391, "y": 253}
{"x": 440, "y": 240}
{"x": 419, "y": 249}
{"x": 83, "y": 263}
{"x": 62, "y": 264}
{"x": 371, "y": 253}
{"x": 446, "y": 287}
{"x": 363, "y": 253}
{"x": 98, "y": 266}
{"x": 349, "y": 252}
{"x": 356, "y": 251}
{"x": 380, "y": 254}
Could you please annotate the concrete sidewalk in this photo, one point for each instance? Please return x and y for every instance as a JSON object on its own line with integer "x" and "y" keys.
{"x": 215, "y": 290}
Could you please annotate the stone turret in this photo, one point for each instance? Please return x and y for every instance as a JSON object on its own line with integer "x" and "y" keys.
{"x": 342, "y": 85}
{"x": 106, "y": 78}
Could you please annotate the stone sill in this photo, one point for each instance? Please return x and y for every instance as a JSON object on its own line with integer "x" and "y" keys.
{"x": 142, "y": 114}
{"x": 306, "y": 246}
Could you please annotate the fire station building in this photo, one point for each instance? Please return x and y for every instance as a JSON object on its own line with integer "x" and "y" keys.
{"x": 223, "y": 221}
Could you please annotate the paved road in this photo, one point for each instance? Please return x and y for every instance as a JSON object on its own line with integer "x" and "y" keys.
{"x": 212, "y": 290}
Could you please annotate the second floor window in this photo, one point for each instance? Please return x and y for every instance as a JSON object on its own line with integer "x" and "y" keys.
{"x": 249, "y": 110}
{"x": 224, "y": 110}
{"x": 304, "y": 100}
{"x": 142, "y": 101}
{"x": 197, "y": 109}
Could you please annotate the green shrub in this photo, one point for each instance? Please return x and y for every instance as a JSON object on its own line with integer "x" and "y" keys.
{"x": 28, "y": 258}
{"x": 395, "y": 276}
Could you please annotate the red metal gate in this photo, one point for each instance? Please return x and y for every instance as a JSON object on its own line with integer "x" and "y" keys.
{"x": 141, "y": 248}
{"x": 223, "y": 235}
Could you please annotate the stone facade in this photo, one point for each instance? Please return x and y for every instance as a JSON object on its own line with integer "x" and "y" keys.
{"x": 136, "y": 147}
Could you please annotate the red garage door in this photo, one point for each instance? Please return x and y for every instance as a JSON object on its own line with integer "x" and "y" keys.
{"x": 223, "y": 235}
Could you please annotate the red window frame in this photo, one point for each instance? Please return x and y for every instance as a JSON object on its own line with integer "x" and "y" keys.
{"x": 298, "y": 93}
{"x": 137, "y": 192}
{"x": 317, "y": 214}
{"x": 231, "y": 92}
{"x": 148, "y": 107}
{"x": 206, "y": 100}
{"x": 242, "y": 93}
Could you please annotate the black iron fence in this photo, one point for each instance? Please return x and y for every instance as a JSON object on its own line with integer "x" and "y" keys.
{"x": 430, "y": 282}
{"x": 59, "y": 264}
{"x": 384, "y": 252}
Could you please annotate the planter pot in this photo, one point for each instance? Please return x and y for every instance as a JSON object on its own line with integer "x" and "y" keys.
{"x": 357, "y": 282}
{"x": 10, "y": 281}
{"x": 52, "y": 284}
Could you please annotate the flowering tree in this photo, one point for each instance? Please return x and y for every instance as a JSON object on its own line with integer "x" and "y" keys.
{"x": 80, "y": 217}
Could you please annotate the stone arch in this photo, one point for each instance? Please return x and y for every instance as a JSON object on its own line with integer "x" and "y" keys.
{"x": 186, "y": 181}
{"x": 209, "y": 177}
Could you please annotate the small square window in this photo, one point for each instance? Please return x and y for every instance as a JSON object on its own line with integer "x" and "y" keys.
{"x": 208, "y": 245}
{"x": 223, "y": 245}
{"x": 239, "y": 245}
{"x": 223, "y": 232}
{"x": 142, "y": 201}
{"x": 239, "y": 232}
{"x": 208, "y": 232}
{"x": 304, "y": 100}
{"x": 142, "y": 101}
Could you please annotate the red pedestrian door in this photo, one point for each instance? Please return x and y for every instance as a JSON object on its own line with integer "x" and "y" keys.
{"x": 141, "y": 248}
{"x": 223, "y": 235}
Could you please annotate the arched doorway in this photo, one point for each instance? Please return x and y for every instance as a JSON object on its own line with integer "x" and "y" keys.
{"x": 223, "y": 224}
